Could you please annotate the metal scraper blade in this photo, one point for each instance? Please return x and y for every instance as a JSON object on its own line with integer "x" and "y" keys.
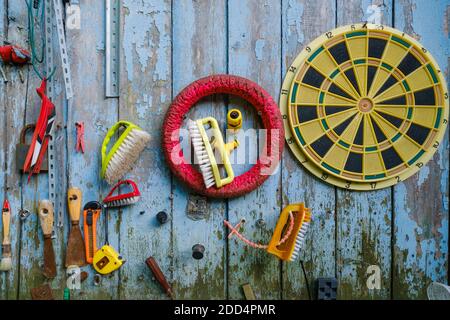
{"x": 49, "y": 259}
{"x": 75, "y": 254}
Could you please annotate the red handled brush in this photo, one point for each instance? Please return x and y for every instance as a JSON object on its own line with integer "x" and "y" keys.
{"x": 125, "y": 199}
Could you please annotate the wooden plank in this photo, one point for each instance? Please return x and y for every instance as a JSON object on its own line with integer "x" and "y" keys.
{"x": 199, "y": 50}
{"x": 263, "y": 39}
{"x": 303, "y": 21}
{"x": 56, "y": 83}
{"x": 3, "y": 146}
{"x": 86, "y": 53}
{"x": 32, "y": 238}
{"x": 363, "y": 218}
{"x": 254, "y": 52}
{"x": 145, "y": 87}
{"x": 421, "y": 202}
{"x": 23, "y": 107}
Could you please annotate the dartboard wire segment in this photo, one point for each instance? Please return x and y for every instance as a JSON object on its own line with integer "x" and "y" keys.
{"x": 364, "y": 106}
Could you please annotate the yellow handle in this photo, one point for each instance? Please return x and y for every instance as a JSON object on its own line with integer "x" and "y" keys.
{"x": 223, "y": 149}
{"x": 230, "y": 146}
{"x": 45, "y": 211}
{"x": 74, "y": 199}
{"x": 6, "y": 219}
{"x": 284, "y": 250}
{"x": 110, "y": 134}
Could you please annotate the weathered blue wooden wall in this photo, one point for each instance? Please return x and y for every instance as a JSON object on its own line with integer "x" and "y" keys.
{"x": 166, "y": 45}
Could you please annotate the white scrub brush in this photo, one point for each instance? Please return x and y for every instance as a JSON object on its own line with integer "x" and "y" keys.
{"x": 124, "y": 152}
{"x": 204, "y": 149}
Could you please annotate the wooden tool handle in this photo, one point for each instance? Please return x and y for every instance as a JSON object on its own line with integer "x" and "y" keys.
{"x": 45, "y": 211}
{"x": 74, "y": 199}
{"x": 6, "y": 217}
{"x": 153, "y": 266}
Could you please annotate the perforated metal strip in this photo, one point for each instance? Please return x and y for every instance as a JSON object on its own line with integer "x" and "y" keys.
{"x": 63, "y": 48}
{"x": 49, "y": 18}
{"x": 112, "y": 48}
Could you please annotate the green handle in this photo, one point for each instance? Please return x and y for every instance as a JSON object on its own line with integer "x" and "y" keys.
{"x": 109, "y": 135}
{"x": 66, "y": 294}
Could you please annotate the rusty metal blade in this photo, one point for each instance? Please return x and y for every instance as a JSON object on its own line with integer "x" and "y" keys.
{"x": 49, "y": 258}
{"x": 75, "y": 255}
{"x": 43, "y": 292}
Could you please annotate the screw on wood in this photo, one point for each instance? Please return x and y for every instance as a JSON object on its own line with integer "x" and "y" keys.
{"x": 97, "y": 280}
{"x": 198, "y": 251}
{"x": 260, "y": 223}
{"x": 23, "y": 214}
{"x": 162, "y": 217}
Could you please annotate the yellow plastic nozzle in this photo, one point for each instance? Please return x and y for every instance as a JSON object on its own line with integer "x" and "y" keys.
{"x": 234, "y": 119}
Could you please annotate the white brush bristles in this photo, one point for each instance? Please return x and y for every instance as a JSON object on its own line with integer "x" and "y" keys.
{"x": 201, "y": 154}
{"x": 122, "y": 202}
{"x": 126, "y": 155}
{"x": 299, "y": 241}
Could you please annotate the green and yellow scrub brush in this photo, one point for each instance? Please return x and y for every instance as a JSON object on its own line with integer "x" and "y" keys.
{"x": 125, "y": 151}
{"x": 204, "y": 149}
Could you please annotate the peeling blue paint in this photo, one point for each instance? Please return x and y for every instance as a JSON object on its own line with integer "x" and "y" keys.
{"x": 254, "y": 52}
{"x": 146, "y": 30}
{"x": 259, "y": 49}
{"x": 433, "y": 38}
{"x": 424, "y": 244}
{"x": 137, "y": 27}
{"x": 162, "y": 68}
{"x": 419, "y": 249}
{"x": 423, "y": 174}
{"x": 294, "y": 20}
{"x": 144, "y": 105}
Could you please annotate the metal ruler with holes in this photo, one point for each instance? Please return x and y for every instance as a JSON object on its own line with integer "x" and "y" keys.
{"x": 54, "y": 14}
{"x": 63, "y": 48}
{"x": 112, "y": 48}
{"x": 51, "y": 145}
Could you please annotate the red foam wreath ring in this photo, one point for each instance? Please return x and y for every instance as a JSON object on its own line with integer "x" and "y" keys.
{"x": 266, "y": 108}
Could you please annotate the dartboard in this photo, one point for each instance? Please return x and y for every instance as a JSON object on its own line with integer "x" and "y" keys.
{"x": 364, "y": 106}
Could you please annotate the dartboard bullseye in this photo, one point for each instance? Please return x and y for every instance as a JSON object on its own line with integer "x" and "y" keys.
{"x": 364, "y": 106}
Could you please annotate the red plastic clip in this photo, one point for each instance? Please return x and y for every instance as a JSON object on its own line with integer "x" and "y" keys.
{"x": 80, "y": 137}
